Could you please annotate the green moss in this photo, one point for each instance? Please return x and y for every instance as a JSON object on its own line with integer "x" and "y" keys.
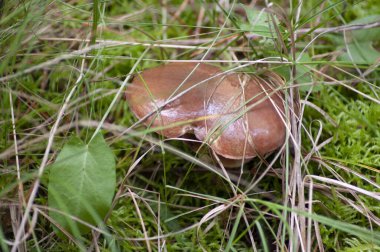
{"x": 169, "y": 189}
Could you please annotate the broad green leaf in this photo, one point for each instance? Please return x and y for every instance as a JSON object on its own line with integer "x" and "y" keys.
{"x": 82, "y": 182}
{"x": 260, "y": 23}
{"x": 360, "y": 53}
{"x": 303, "y": 73}
{"x": 372, "y": 34}
{"x": 359, "y": 49}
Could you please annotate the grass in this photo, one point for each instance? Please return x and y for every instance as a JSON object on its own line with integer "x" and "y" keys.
{"x": 64, "y": 68}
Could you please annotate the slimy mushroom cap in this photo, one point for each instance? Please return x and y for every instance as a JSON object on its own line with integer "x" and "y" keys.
{"x": 238, "y": 115}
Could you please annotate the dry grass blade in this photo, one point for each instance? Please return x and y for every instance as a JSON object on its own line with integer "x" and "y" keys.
{"x": 347, "y": 186}
{"x": 41, "y": 169}
{"x": 321, "y": 189}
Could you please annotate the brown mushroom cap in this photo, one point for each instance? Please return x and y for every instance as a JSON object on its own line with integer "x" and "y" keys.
{"x": 237, "y": 115}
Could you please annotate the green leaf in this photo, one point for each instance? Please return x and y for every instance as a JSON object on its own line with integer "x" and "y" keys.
{"x": 303, "y": 73}
{"x": 360, "y": 53}
{"x": 360, "y": 43}
{"x": 372, "y": 34}
{"x": 260, "y": 23}
{"x": 82, "y": 183}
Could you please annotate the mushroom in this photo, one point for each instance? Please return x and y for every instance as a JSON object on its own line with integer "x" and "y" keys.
{"x": 237, "y": 115}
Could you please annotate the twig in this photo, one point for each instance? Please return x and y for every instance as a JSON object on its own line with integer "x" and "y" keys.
{"x": 342, "y": 28}
{"x": 22, "y": 247}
